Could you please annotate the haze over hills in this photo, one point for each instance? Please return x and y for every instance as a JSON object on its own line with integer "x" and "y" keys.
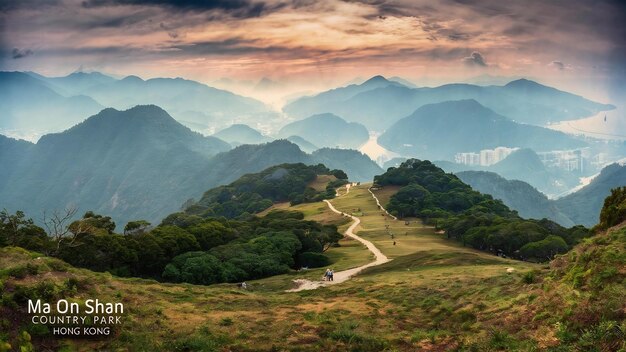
{"x": 139, "y": 164}
{"x": 303, "y": 144}
{"x": 583, "y": 206}
{"x": 122, "y": 163}
{"x": 29, "y": 104}
{"x": 74, "y": 83}
{"x": 177, "y": 96}
{"x": 517, "y": 195}
{"x": 322, "y": 102}
{"x": 521, "y": 100}
{"x": 327, "y": 130}
{"x": 241, "y": 134}
{"x": 439, "y": 131}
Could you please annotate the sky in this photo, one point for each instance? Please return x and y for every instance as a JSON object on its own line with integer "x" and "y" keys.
{"x": 577, "y": 45}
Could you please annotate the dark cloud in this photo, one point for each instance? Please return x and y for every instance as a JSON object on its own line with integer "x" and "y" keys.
{"x": 20, "y": 53}
{"x": 475, "y": 59}
{"x": 11, "y": 5}
{"x": 172, "y": 33}
{"x": 559, "y": 65}
{"x": 234, "y": 8}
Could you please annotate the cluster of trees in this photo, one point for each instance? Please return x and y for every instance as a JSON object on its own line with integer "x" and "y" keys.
{"x": 184, "y": 248}
{"x": 614, "y": 210}
{"x": 471, "y": 217}
{"x": 253, "y": 193}
{"x": 214, "y": 240}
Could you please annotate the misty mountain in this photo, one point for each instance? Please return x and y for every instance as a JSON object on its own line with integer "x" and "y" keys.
{"x": 238, "y": 134}
{"x": 380, "y": 106}
{"x": 517, "y": 195}
{"x": 74, "y": 83}
{"x": 29, "y": 104}
{"x": 523, "y": 165}
{"x": 320, "y": 103}
{"x": 120, "y": 163}
{"x": 438, "y": 131}
{"x": 584, "y": 206}
{"x": 327, "y": 130}
{"x": 303, "y": 144}
{"x": 138, "y": 164}
{"x": 357, "y": 165}
{"x": 180, "y": 97}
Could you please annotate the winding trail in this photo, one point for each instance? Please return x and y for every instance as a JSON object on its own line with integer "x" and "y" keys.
{"x": 380, "y": 206}
{"x": 342, "y": 276}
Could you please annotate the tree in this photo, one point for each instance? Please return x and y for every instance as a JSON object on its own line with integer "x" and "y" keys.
{"x": 57, "y": 225}
{"x": 136, "y": 227}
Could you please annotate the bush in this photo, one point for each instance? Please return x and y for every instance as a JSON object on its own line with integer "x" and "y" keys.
{"x": 312, "y": 260}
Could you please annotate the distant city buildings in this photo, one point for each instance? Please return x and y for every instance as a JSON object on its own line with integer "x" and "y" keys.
{"x": 568, "y": 160}
{"x": 485, "y": 157}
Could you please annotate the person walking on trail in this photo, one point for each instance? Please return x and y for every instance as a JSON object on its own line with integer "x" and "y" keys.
{"x": 331, "y": 273}
{"x": 326, "y": 276}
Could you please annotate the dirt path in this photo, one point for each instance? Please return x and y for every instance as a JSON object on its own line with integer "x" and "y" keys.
{"x": 380, "y": 205}
{"x": 341, "y": 276}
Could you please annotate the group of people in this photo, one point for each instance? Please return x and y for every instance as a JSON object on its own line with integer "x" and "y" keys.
{"x": 328, "y": 275}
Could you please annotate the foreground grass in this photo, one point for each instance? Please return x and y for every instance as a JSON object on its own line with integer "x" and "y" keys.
{"x": 435, "y": 295}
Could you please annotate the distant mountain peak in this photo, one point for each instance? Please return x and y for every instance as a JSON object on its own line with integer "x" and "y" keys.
{"x": 377, "y": 79}
{"x": 132, "y": 78}
{"x": 523, "y": 83}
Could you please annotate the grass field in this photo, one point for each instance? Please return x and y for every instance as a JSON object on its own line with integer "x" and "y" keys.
{"x": 435, "y": 295}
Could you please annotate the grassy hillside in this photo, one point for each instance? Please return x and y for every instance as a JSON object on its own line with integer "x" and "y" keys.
{"x": 435, "y": 295}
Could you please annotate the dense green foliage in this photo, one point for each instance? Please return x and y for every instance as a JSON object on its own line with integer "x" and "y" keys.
{"x": 184, "y": 248}
{"x": 586, "y": 289}
{"x": 199, "y": 245}
{"x": 614, "y": 210}
{"x": 475, "y": 219}
{"x": 253, "y": 193}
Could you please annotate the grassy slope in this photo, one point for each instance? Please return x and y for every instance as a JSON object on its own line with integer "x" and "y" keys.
{"x": 434, "y": 295}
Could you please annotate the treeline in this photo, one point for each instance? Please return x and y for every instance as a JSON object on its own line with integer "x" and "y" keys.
{"x": 253, "y": 193}
{"x": 184, "y": 248}
{"x": 476, "y": 219}
{"x": 214, "y": 240}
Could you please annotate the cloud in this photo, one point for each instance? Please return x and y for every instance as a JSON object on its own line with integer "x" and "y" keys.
{"x": 20, "y": 53}
{"x": 234, "y": 8}
{"x": 475, "y": 59}
{"x": 11, "y": 5}
{"x": 559, "y": 65}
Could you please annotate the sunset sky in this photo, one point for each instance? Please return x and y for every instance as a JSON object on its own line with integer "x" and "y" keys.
{"x": 573, "y": 44}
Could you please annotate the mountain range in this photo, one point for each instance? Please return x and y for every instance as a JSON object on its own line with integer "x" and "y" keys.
{"x": 439, "y": 131}
{"x": 29, "y": 104}
{"x": 139, "y": 164}
{"x": 30, "y": 101}
{"x": 378, "y": 103}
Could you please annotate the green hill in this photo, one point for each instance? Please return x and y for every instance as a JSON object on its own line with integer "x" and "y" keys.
{"x": 253, "y": 193}
{"x": 475, "y": 219}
